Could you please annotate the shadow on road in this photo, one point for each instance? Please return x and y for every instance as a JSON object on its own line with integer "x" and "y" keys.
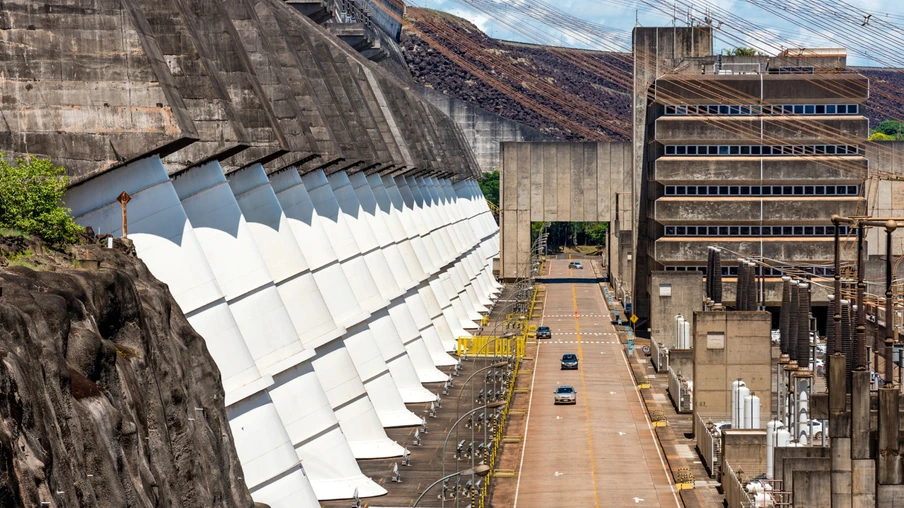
{"x": 572, "y": 280}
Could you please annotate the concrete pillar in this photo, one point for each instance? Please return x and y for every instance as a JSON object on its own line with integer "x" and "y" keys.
{"x": 839, "y": 432}
{"x": 166, "y": 241}
{"x": 863, "y": 468}
{"x": 444, "y": 224}
{"x": 452, "y": 215}
{"x": 354, "y": 263}
{"x": 315, "y": 245}
{"x": 401, "y": 314}
{"x": 889, "y": 460}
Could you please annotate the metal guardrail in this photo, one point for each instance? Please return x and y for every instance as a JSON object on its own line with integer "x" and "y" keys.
{"x": 476, "y": 346}
{"x": 659, "y": 355}
{"x": 680, "y": 392}
{"x": 513, "y": 322}
{"x": 708, "y": 445}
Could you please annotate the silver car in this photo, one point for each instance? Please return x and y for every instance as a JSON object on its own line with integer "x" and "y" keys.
{"x": 566, "y": 395}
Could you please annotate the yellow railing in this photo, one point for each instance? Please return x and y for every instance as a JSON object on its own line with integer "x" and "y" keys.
{"x": 480, "y": 345}
{"x": 498, "y": 431}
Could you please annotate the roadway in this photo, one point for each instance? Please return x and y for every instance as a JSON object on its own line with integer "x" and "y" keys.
{"x": 601, "y": 451}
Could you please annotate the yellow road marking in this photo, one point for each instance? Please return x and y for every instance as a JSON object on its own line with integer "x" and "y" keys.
{"x": 577, "y": 327}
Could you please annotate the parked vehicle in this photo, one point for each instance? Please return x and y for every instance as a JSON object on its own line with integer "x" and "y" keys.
{"x": 566, "y": 395}
{"x": 576, "y": 265}
{"x": 543, "y": 332}
{"x": 569, "y": 361}
{"x": 818, "y": 430}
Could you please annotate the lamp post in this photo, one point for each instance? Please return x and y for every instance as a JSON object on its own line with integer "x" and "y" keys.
{"x": 481, "y": 470}
{"x": 492, "y": 405}
{"x": 461, "y": 391}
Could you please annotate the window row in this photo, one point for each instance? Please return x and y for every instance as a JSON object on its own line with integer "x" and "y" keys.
{"x": 763, "y": 109}
{"x": 754, "y": 230}
{"x": 762, "y": 150}
{"x": 732, "y": 271}
{"x": 762, "y": 190}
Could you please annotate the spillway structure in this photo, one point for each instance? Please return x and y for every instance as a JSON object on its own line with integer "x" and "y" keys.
{"x": 319, "y": 224}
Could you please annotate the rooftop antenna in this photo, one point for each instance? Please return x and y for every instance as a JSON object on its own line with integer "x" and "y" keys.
{"x": 636, "y": 18}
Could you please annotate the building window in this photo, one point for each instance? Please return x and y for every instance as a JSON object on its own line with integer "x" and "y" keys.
{"x": 731, "y": 231}
{"x": 761, "y": 109}
{"x": 759, "y": 150}
{"x": 765, "y": 190}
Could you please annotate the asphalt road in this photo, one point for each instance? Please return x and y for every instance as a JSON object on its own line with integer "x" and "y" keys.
{"x": 600, "y": 451}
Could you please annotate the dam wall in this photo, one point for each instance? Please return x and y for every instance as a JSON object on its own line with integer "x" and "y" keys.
{"x": 316, "y": 220}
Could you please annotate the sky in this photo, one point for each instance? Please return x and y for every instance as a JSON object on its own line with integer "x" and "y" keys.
{"x": 837, "y": 23}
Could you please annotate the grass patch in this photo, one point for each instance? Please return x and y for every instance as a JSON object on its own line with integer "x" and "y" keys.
{"x": 13, "y": 232}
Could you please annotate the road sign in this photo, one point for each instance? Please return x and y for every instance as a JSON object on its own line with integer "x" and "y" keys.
{"x": 633, "y": 318}
{"x": 646, "y": 350}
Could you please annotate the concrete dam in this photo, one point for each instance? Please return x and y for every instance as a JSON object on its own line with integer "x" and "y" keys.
{"x": 318, "y": 223}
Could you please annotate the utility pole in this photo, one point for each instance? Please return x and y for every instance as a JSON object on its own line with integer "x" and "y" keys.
{"x": 123, "y": 199}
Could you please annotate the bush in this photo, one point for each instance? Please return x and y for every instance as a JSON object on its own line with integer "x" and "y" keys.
{"x": 31, "y": 194}
{"x": 489, "y": 185}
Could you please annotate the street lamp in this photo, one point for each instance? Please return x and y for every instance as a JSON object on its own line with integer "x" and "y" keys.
{"x": 491, "y": 405}
{"x": 480, "y": 470}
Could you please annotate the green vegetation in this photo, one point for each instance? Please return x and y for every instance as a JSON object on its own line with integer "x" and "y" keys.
{"x": 888, "y": 130}
{"x": 31, "y": 194}
{"x": 489, "y": 184}
{"x": 572, "y": 234}
{"x": 742, "y": 51}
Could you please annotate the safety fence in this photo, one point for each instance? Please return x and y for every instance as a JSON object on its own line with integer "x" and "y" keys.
{"x": 498, "y": 431}
{"x": 709, "y": 441}
{"x": 745, "y": 486}
{"x": 478, "y": 346}
{"x": 517, "y": 331}
{"x": 681, "y": 392}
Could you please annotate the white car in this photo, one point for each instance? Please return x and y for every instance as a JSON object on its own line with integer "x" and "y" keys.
{"x": 818, "y": 430}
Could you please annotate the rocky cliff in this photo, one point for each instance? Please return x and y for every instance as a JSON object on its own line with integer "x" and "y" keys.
{"x": 108, "y": 397}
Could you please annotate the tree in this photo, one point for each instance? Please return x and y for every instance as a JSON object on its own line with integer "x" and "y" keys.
{"x": 31, "y": 194}
{"x": 742, "y": 51}
{"x": 489, "y": 184}
{"x": 891, "y": 128}
{"x": 596, "y": 232}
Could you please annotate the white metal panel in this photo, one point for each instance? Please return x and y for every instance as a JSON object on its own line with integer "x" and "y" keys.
{"x": 270, "y": 465}
{"x": 427, "y": 329}
{"x": 233, "y": 256}
{"x": 378, "y": 381}
{"x": 414, "y": 344}
{"x": 391, "y": 217}
{"x": 309, "y": 233}
{"x": 394, "y": 353}
{"x": 353, "y": 408}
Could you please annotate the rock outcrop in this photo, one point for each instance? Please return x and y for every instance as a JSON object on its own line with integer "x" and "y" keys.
{"x": 108, "y": 397}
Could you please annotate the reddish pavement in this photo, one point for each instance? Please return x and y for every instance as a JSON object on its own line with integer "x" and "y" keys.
{"x": 601, "y": 451}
